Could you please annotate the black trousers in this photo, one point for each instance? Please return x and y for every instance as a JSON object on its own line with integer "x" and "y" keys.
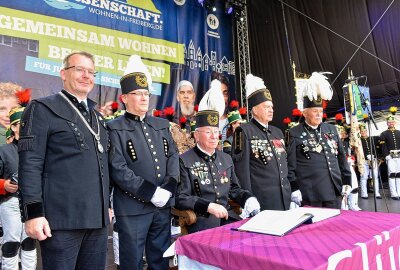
{"x": 75, "y": 249}
{"x": 326, "y": 204}
{"x": 150, "y": 231}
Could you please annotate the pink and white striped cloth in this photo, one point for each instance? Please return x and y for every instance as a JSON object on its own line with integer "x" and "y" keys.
{"x": 352, "y": 240}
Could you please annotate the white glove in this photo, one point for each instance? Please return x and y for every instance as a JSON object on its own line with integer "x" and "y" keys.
{"x": 296, "y": 197}
{"x": 368, "y": 157}
{"x": 346, "y": 189}
{"x": 345, "y": 204}
{"x": 251, "y": 207}
{"x": 293, "y": 205}
{"x": 160, "y": 197}
{"x": 388, "y": 157}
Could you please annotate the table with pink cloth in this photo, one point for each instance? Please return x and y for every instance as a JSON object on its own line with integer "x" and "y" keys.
{"x": 352, "y": 240}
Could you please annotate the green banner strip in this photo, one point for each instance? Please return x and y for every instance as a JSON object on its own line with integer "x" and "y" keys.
{"x": 105, "y": 61}
{"x": 39, "y": 27}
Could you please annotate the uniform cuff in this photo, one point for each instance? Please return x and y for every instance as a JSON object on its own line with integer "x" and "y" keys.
{"x": 170, "y": 184}
{"x": 201, "y": 207}
{"x": 244, "y": 198}
{"x": 146, "y": 191}
{"x": 34, "y": 210}
{"x": 294, "y": 186}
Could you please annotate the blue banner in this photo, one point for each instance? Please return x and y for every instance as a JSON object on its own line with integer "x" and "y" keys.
{"x": 178, "y": 40}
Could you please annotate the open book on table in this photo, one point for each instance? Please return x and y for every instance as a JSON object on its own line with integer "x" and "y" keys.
{"x": 279, "y": 223}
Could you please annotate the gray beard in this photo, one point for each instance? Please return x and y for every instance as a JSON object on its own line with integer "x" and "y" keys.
{"x": 187, "y": 110}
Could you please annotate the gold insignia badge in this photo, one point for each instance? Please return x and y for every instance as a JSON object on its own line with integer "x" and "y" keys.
{"x": 267, "y": 94}
{"x": 141, "y": 80}
{"x": 212, "y": 120}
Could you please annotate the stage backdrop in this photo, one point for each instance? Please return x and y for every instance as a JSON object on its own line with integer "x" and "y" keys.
{"x": 177, "y": 40}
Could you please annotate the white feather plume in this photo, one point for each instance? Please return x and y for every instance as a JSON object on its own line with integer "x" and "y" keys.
{"x": 253, "y": 84}
{"x": 318, "y": 85}
{"x": 135, "y": 64}
{"x": 213, "y": 99}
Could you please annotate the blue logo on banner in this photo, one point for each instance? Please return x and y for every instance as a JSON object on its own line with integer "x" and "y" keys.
{"x": 63, "y": 4}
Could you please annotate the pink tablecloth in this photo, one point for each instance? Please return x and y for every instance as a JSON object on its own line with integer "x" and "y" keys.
{"x": 352, "y": 240}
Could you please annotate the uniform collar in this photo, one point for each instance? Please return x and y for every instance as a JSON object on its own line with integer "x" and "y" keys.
{"x": 134, "y": 117}
{"x": 392, "y": 129}
{"x": 264, "y": 128}
{"x": 203, "y": 154}
{"x": 309, "y": 127}
{"x": 74, "y": 99}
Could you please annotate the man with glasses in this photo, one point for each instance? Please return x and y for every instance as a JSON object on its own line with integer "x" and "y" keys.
{"x": 63, "y": 171}
{"x": 208, "y": 178}
{"x": 144, "y": 169}
{"x": 259, "y": 151}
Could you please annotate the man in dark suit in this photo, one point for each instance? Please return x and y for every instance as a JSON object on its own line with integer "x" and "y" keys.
{"x": 259, "y": 152}
{"x": 208, "y": 178}
{"x": 316, "y": 158}
{"x": 144, "y": 169}
{"x": 63, "y": 172}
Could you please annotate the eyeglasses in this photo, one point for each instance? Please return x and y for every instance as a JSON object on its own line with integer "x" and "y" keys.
{"x": 209, "y": 132}
{"x": 81, "y": 70}
{"x": 143, "y": 94}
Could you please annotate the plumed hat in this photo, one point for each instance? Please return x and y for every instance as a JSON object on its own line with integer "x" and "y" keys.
{"x": 15, "y": 115}
{"x": 211, "y": 106}
{"x": 316, "y": 90}
{"x": 256, "y": 91}
{"x": 136, "y": 76}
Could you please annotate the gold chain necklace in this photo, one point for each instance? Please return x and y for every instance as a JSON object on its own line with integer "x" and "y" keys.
{"x": 95, "y": 134}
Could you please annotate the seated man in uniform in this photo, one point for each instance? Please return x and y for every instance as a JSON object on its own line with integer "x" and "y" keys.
{"x": 208, "y": 177}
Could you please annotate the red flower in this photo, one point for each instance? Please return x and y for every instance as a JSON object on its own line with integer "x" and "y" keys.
{"x": 169, "y": 111}
{"x": 296, "y": 112}
{"x": 243, "y": 111}
{"x": 286, "y": 120}
{"x": 24, "y": 96}
{"x": 324, "y": 104}
{"x": 114, "y": 106}
{"x": 234, "y": 105}
{"x": 325, "y": 116}
{"x": 339, "y": 117}
{"x": 182, "y": 121}
{"x": 120, "y": 99}
{"x": 156, "y": 113}
{"x": 196, "y": 107}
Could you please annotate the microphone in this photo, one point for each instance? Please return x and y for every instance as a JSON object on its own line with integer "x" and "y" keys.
{"x": 351, "y": 79}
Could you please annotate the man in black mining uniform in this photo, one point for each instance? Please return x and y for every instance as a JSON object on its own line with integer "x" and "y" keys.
{"x": 144, "y": 169}
{"x": 259, "y": 152}
{"x": 208, "y": 178}
{"x": 316, "y": 158}
{"x": 63, "y": 172}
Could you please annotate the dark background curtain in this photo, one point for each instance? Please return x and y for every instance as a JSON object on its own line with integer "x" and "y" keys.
{"x": 314, "y": 48}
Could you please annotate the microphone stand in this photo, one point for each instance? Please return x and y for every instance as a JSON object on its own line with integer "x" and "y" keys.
{"x": 374, "y": 162}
